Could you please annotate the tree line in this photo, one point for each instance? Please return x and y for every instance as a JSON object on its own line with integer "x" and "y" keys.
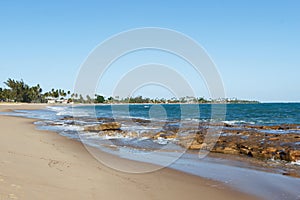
{"x": 19, "y": 91}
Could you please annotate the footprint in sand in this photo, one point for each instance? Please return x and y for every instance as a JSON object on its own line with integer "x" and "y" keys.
{"x": 59, "y": 165}
{"x": 1, "y": 179}
{"x": 15, "y": 186}
{"x": 12, "y": 196}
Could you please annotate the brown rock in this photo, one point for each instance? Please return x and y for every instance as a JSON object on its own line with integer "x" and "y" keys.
{"x": 169, "y": 135}
{"x": 141, "y": 121}
{"x": 204, "y": 146}
{"x": 294, "y": 155}
{"x": 272, "y": 127}
{"x": 274, "y": 139}
{"x": 244, "y": 151}
{"x": 195, "y": 146}
{"x": 104, "y": 127}
{"x": 132, "y": 134}
{"x": 230, "y": 150}
{"x": 271, "y": 149}
{"x": 218, "y": 149}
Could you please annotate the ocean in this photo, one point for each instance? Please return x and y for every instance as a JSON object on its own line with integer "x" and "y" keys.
{"x": 260, "y": 114}
{"x": 141, "y": 122}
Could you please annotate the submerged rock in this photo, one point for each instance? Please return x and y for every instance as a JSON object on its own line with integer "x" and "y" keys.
{"x": 141, "y": 121}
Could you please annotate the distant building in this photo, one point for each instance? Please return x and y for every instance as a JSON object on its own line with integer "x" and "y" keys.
{"x": 51, "y": 100}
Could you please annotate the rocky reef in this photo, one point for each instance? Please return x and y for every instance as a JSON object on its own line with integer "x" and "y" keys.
{"x": 262, "y": 142}
{"x": 280, "y": 142}
{"x": 108, "y": 126}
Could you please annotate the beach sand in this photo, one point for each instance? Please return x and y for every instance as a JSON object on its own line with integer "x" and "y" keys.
{"x": 38, "y": 164}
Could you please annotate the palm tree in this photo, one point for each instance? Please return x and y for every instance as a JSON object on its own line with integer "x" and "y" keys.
{"x": 6, "y": 94}
{"x": 19, "y": 90}
{"x": 1, "y": 95}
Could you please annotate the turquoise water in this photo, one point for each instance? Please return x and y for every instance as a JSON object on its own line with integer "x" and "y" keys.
{"x": 260, "y": 114}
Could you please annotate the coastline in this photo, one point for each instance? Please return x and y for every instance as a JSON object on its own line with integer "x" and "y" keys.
{"x": 39, "y": 164}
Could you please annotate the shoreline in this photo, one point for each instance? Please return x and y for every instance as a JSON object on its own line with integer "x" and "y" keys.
{"x": 42, "y": 164}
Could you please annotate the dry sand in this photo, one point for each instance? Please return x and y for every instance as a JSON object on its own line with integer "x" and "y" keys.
{"x": 44, "y": 165}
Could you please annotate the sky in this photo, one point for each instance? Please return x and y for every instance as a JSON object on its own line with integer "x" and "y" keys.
{"x": 255, "y": 45}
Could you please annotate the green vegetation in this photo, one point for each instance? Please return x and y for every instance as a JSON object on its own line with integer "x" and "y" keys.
{"x": 99, "y": 99}
{"x": 19, "y": 91}
{"x": 187, "y": 99}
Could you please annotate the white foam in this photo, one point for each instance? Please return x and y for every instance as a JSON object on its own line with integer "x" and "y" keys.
{"x": 164, "y": 141}
{"x": 232, "y": 122}
{"x": 296, "y": 163}
{"x": 117, "y": 136}
{"x": 161, "y": 140}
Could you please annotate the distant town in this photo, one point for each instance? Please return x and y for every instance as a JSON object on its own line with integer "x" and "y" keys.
{"x": 19, "y": 91}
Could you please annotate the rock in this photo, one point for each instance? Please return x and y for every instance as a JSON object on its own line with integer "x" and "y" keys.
{"x": 155, "y": 137}
{"x": 185, "y": 141}
{"x": 291, "y": 173}
{"x": 282, "y": 155}
{"x": 228, "y": 125}
{"x": 244, "y": 151}
{"x": 104, "y": 127}
{"x": 68, "y": 118}
{"x": 271, "y": 149}
{"x": 169, "y": 135}
{"x": 105, "y": 119}
{"x": 294, "y": 155}
{"x": 218, "y": 149}
{"x": 141, "y": 121}
{"x": 248, "y": 140}
{"x": 204, "y": 146}
{"x": 230, "y": 150}
{"x": 273, "y": 138}
{"x": 171, "y": 127}
{"x": 132, "y": 134}
{"x": 111, "y": 133}
{"x": 195, "y": 146}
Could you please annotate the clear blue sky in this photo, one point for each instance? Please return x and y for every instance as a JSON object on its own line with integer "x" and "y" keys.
{"x": 255, "y": 44}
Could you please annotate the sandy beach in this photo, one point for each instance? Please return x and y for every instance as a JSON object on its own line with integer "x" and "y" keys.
{"x": 38, "y": 164}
